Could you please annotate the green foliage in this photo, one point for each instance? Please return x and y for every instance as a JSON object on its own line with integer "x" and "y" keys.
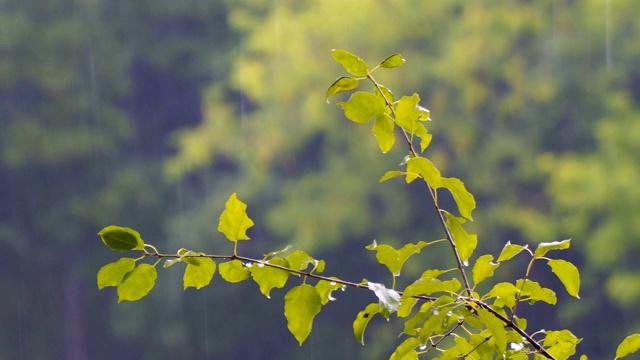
{"x": 453, "y": 321}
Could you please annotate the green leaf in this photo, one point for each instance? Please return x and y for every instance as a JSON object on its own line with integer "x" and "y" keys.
{"x": 362, "y": 320}
{"x": 385, "y": 95}
{"x": 568, "y": 275}
{"x": 389, "y": 299}
{"x": 234, "y": 220}
{"x": 199, "y": 276}
{"x": 362, "y": 106}
{"x": 234, "y": 271}
{"x": 408, "y": 113}
{"x": 268, "y": 277}
{"x": 113, "y": 273}
{"x": 533, "y": 292}
{"x": 273, "y": 253}
{"x": 383, "y": 130}
{"x": 465, "y": 242}
{"x": 543, "y": 248}
{"x": 390, "y": 175}
{"x": 121, "y": 238}
{"x": 424, "y": 136}
{"x": 419, "y": 166}
{"x": 432, "y": 324}
{"x": 137, "y": 283}
{"x": 394, "y": 259}
{"x": 299, "y": 260}
{"x": 483, "y": 268}
{"x": 341, "y": 84}
{"x": 510, "y": 250}
{"x": 431, "y": 285}
{"x": 496, "y": 328}
{"x": 392, "y": 61}
{"x": 628, "y": 346}
{"x": 353, "y": 64}
{"x": 325, "y": 288}
{"x": 406, "y": 350}
{"x": 464, "y": 199}
{"x": 301, "y": 305}
{"x": 560, "y": 344}
{"x": 505, "y": 294}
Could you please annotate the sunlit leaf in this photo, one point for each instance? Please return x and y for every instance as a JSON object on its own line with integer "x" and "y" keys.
{"x": 383, "y": 130}
{"x": 483, "y": 268}
{"x": 234, "y": 220}
{"x": 234, "y": 271}
{"x": 392, "y": 61}
{"x": 341, "y": 84}
{"x": 533, "y": 292}
{"x": 390, "y": 175}
{"x": 353, "y": 64}
{"x": 326, "y": 288}
{"x": 301, "y": 305}
{"x": 465, "y": 242}
{"x": 510, "y": 250}
{"x": 113, "y": 273}
{"x": 419, "y": 166}
{"x": 405, "y": 351}
{"x": 543, "y": 248}
{"x": 362, "y": 107}
{"x": 560, "y": 344}
{"x": 408, "y": 113}
{"x": 137, "y": 283}
{"x": 496, "y": 328}
{"x": 394, "y": 259}
{"x": 273, "y": 253}
{"x": 199, "y": 276}
{"x": 362, "y": 320}
{"x": 505, "y": 294}
{"x": 389, "y": 299}
{"x": 121, "y": 238}
{"x": 300, "y": 260}
{"x": 430, "y": 285}
{"x": 464, "y": 199}
{"x": 268, "y": 277}
{"x": 628, "y": 346}
{"x": 568, "y": 275}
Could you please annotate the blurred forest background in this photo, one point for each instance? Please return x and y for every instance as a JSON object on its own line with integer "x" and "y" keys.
{"x": 149, "y": 114}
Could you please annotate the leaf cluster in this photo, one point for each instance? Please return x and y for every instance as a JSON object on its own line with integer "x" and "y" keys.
{"x": 443, "y": 313}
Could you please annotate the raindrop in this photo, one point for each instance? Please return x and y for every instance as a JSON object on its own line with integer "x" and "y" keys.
{"x": 260, "y": 264}
{"x": 333, "y": 283}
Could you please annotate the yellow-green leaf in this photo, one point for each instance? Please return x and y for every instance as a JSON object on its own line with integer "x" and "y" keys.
{"x": 199, "y": 276}
{"x": 390, "y": 175}
{"x": 408, "y": 113}
{"x": 465, "y": 243}
{"x": 353, "y": 64}
{"x": 362, "y": 320}
{"x": 533, "y": 292}
{"x": 483, "y": 268}
{"x": 505, "y": 294}
{"x": 628, "y": 346}
{"x": 568, "y": 275}
{"x": 234, "y": 220}
{"x": 406, "y": 350}
{"x": 496, "y": 328}
{"x": 137, "y": 283}
{"x": 268, "y": 277}
{"x": 394, "y": 259}
{"x": 392, "y": 61}
{"x": 362, "y": 107}
{"x": 510, "y": 250}
{"x": 121, "y": 238}
{"x": 325, "y": 288}
{"x": 543, "y": 248}
{"x": 383, "y": 130}
{"x": 419, "y": 166}
{"x": 301, "y": 305}
{"x": 113, "y": 273}
{"x": 233, "y": 271}
{"x": 341, "y": 84}
{"x": 463, "y": 198}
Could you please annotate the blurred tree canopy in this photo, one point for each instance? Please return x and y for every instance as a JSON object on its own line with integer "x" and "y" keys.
{"x": 150, "y": 113}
